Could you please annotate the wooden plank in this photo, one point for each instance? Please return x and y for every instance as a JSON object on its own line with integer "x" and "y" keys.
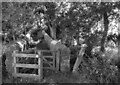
{"x": 48, "y": 56}
{"x": 26, "y": 75}
{"x": 45, "y": 61}
{"x": 48, "y": 62}
{"x": 27, "y": 65}
{"x": 47, "y": 51}
{"x": 26, "y": 55}
{"x": 48, "y": 68}
{"x": 79, "y": 59}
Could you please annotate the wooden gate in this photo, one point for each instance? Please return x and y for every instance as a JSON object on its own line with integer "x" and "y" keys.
{"x": 17, "y": 64}
{"x": 51, "y": 59}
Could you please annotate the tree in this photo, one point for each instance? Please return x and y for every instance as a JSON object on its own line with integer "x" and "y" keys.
{"x": 106, "y": 10}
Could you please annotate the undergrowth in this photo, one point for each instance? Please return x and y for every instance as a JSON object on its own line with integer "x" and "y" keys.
{"x": 99, "y": 70}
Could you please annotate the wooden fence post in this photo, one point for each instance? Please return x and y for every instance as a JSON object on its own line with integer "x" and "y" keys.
{"x": 14, "y": 63}
{"x": 58, "y": 60}
{"x": 54, "y": 58}
{"x": 79, "y": 58}
{"x": 40, "y": 63}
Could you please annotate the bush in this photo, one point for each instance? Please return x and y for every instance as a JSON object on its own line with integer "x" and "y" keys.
{"x": 100, "y": 70}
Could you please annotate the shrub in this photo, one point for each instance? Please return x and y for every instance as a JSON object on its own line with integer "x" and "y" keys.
{"x": 102, "y": 69}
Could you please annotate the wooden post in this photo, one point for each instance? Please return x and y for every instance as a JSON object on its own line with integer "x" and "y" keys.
{"x": 14, "y": 62}
{"x": 54, "y": 59}
{"x": 58, "y": 60}
{"x": 79, "y": 58}
{"x": 40, "y": 63}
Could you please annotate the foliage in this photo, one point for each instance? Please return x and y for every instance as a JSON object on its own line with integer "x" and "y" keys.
{"x": 100, "y": 71}
{"x": 69, "y": 19}
{"x": 102, "y": 67}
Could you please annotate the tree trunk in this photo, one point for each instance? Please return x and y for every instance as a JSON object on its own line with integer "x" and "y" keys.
{"x": 53, "y": 32}
{"x": 106, "y": 23}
